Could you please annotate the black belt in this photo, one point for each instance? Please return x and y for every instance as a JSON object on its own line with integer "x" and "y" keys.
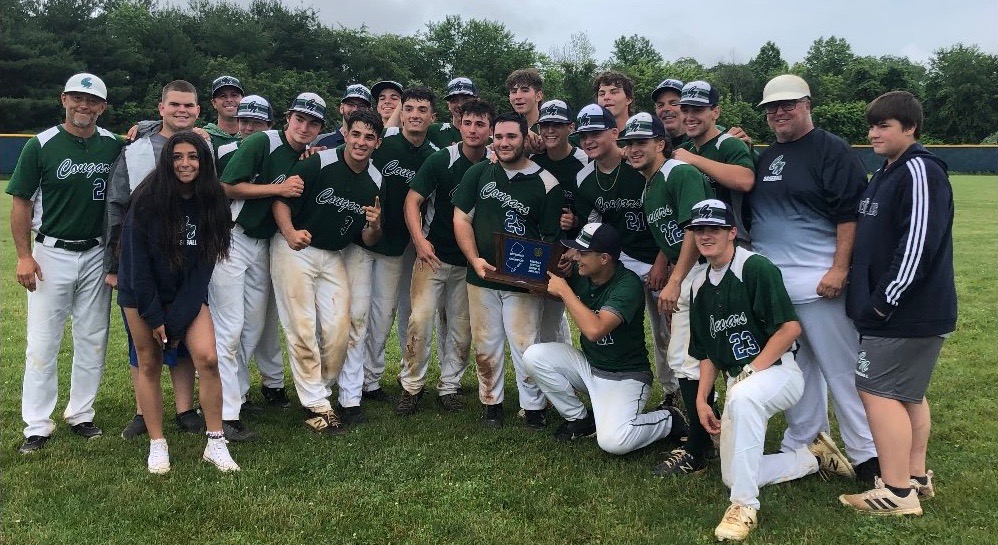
{"x": 70, "y": 245}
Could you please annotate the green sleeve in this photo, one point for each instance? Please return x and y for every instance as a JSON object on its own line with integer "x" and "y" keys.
{"x": 550, "y": 220}
{"x": 425, "y": 180}
{"x": 770, "y": 301}
{"x": 465, "y": 195}
{"x": 27, "y": 174}
{"x": 736, "y": 152}
{"x": 247, "y": 161}
{"x": 691, "y": 188}
{"x": 627, "y": 298}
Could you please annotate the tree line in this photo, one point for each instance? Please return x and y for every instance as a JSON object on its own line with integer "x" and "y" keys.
{"x": 277, "y": 51}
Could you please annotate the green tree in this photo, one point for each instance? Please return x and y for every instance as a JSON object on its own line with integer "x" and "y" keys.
{"x": 569, "y": 71}
{"x": 961, "y": 95}
{"x": 633, "y": 50}
{"x": 824, "y": 68}
{"x": 767, "y": 64}
{"x": 846, "y": 119}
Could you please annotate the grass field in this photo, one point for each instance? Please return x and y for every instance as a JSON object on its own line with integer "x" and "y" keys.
{"x": 435, "y": 478}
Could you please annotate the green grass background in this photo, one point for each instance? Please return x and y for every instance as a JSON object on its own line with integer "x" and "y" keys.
{"x": 441, "y": 478}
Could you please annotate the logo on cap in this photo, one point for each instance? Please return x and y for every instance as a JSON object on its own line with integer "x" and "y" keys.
{"x": 87, "y": 83}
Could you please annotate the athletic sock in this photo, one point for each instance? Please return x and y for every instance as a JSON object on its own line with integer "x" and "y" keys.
{"x": 899, "y": 492}
{"x": 923, "y": 480}
{"x": 698, "y": 439}
{"x": 215, "y": 434}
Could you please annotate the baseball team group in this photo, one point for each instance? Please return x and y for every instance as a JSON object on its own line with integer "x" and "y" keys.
{"x": 782, "y": 269}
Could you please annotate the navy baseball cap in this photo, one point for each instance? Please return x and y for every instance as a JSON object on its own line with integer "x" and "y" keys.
{"x": 225, "y": 81}
{"x": 460, "y": 86}
{"x": 711, "y": 213}
{"x": 594, "y": 118}
{"x": 554, "y": 111}
{"x": 358, "y": 91}
{"x": 382, "y": 85}
{"x": 596, "y": 237}
{"x": 667, "y": 85}
{"x": 699, "y": 93}
{"x": 642, "y": 125}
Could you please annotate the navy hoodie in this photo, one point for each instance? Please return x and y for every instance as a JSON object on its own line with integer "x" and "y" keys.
{"x": 902, "y": 263}
{"x": 147, "y": 282}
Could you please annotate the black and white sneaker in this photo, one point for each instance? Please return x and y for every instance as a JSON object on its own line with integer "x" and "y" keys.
{"x": 33, "y": 443}
{"x": 680, "y": 462}
{"x": 87, "y": 430}
{"x": 570, "y": 430}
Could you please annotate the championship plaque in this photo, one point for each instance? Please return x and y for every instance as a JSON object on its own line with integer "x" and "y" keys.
{"x": 524, "y": 262}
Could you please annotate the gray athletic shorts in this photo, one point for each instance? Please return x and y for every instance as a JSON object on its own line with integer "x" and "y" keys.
{"x": 897, "y": 368}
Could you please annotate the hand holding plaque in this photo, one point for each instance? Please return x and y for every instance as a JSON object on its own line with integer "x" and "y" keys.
{"x": 524, "y": 262}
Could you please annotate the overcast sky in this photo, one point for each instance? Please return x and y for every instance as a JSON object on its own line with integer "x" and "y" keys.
{"x": 711, "y": 32}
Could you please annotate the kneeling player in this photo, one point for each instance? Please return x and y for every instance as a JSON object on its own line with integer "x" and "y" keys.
{"x": 606, "y": 301}
{"x": 743, "y": 323}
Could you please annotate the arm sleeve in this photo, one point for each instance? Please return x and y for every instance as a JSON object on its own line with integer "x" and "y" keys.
{"x": 736, "y": 152}
{"x": 925, "y": 216}
{"x": 247, "y": 160}
{"x": 691, "y": 188}
{"x": 425, "y": 180}
{"x": 465, "y": 194}
{"x": 118, "y": 193}
{"x": 843, "y": 179}
{"x": 309, "y": 171}
{"x": 627, "y": 299}
{"x": 137, "y": 262}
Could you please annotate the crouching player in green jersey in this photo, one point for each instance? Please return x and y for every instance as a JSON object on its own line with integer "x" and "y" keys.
{"x": 744, "y": 325}
{"x": 339, "y": 202}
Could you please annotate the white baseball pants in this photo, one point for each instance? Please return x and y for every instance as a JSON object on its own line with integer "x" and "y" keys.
{"x": 495, "y": 316}
{"x": 682, "y": 365}
{"x": 73, "y": 286}
{"x": 560, "y": 370}
{"x": 430, "y": 289}
{"x": 240, "y": 296}
{"x": 829, "y": 345}
{"x": 747, "y": 409}
{"x": 554, "y": 322}
{"x": 313, "y": 302}
{"x": 659, "y": 329}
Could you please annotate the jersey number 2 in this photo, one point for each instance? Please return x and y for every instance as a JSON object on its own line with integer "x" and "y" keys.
{"x": 99, "y": 185}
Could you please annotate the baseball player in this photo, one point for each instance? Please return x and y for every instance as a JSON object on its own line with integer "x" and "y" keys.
{"x": 615, "y": 92}
{"x": 179, "y": 110}
{"x": 387, "y": 96}
{"x": 378, "y": 268}
{"x": 671, "y": 189}
{"x": 666, "y": 98}
{"x": 808, "y": 186}
{"x": 610, "y": 191}
{"x": 311, "y": 276}
{"x": 564, "y": 161}
{"x": 458, "y": 91}
{"x": 226, "y": 92}
{"x": 438, "y": 277}
{"x": 355, "y": 98}
{"x": 256, "y": 115}
{"x": 606, "y": 301}
{"x": 723, "y": 158}
{"x": 516, "y": 196}
{"x": 526, "y": 92}
{"x": 68, "y": 166}
{"x": 743, "y": 324}
{"x": 902, "y": 297}
{"x": 240, "y": 293}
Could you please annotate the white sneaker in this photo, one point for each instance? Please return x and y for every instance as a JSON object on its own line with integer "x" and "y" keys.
{"x": 738, "y": 521}
{"x": 926, "y": 490}
{"x": 217, "y": 452}
{"x": 159, "y": 457}
{"x": 881, "y": 501}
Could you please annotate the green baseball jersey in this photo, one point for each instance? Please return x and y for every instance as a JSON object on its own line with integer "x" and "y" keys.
{"x": 436, "y": 181}
{"x": 66, "y": 178}
{"x": 669, "y": 197}
{"x": 623, "y": 349}
{"x": 443, "y": 135}
{"x": 331, "y": 206}
{"x": 219, "y": 137}
{"x": 397, "y": 160}
{"x": 565, "y": 170}
{"x": 727, "y": 149}
{"x": 615, "y": 198}
{"x": 223, "y": 154}
{"x": 262, "y": 158}
{"x": 525, "y": 203}
{"x": 732, "y": 321}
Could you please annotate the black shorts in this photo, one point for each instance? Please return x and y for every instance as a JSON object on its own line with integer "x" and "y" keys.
{"x": 897, "y": 368}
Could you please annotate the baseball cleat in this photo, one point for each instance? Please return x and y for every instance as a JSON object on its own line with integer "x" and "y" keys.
{"x": 680, "y": 462}
{"x": 451, "y": 402}
{"x": 325, "y": 422}
{"x": 536, "y": 419}
{"x": 87, "y": 430}
{"x": 159, "y": 457}
{"x": 275, "y": 397}
{"x": 571, "y": 430}
{"x": 830, "y": 458}
{"x": 736, "y": 524}
{"x": 882, "y": 501}
{"x": 492, "y": 416}
{"x": 408, "y": 403}
{"x": 33, "y": 444}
